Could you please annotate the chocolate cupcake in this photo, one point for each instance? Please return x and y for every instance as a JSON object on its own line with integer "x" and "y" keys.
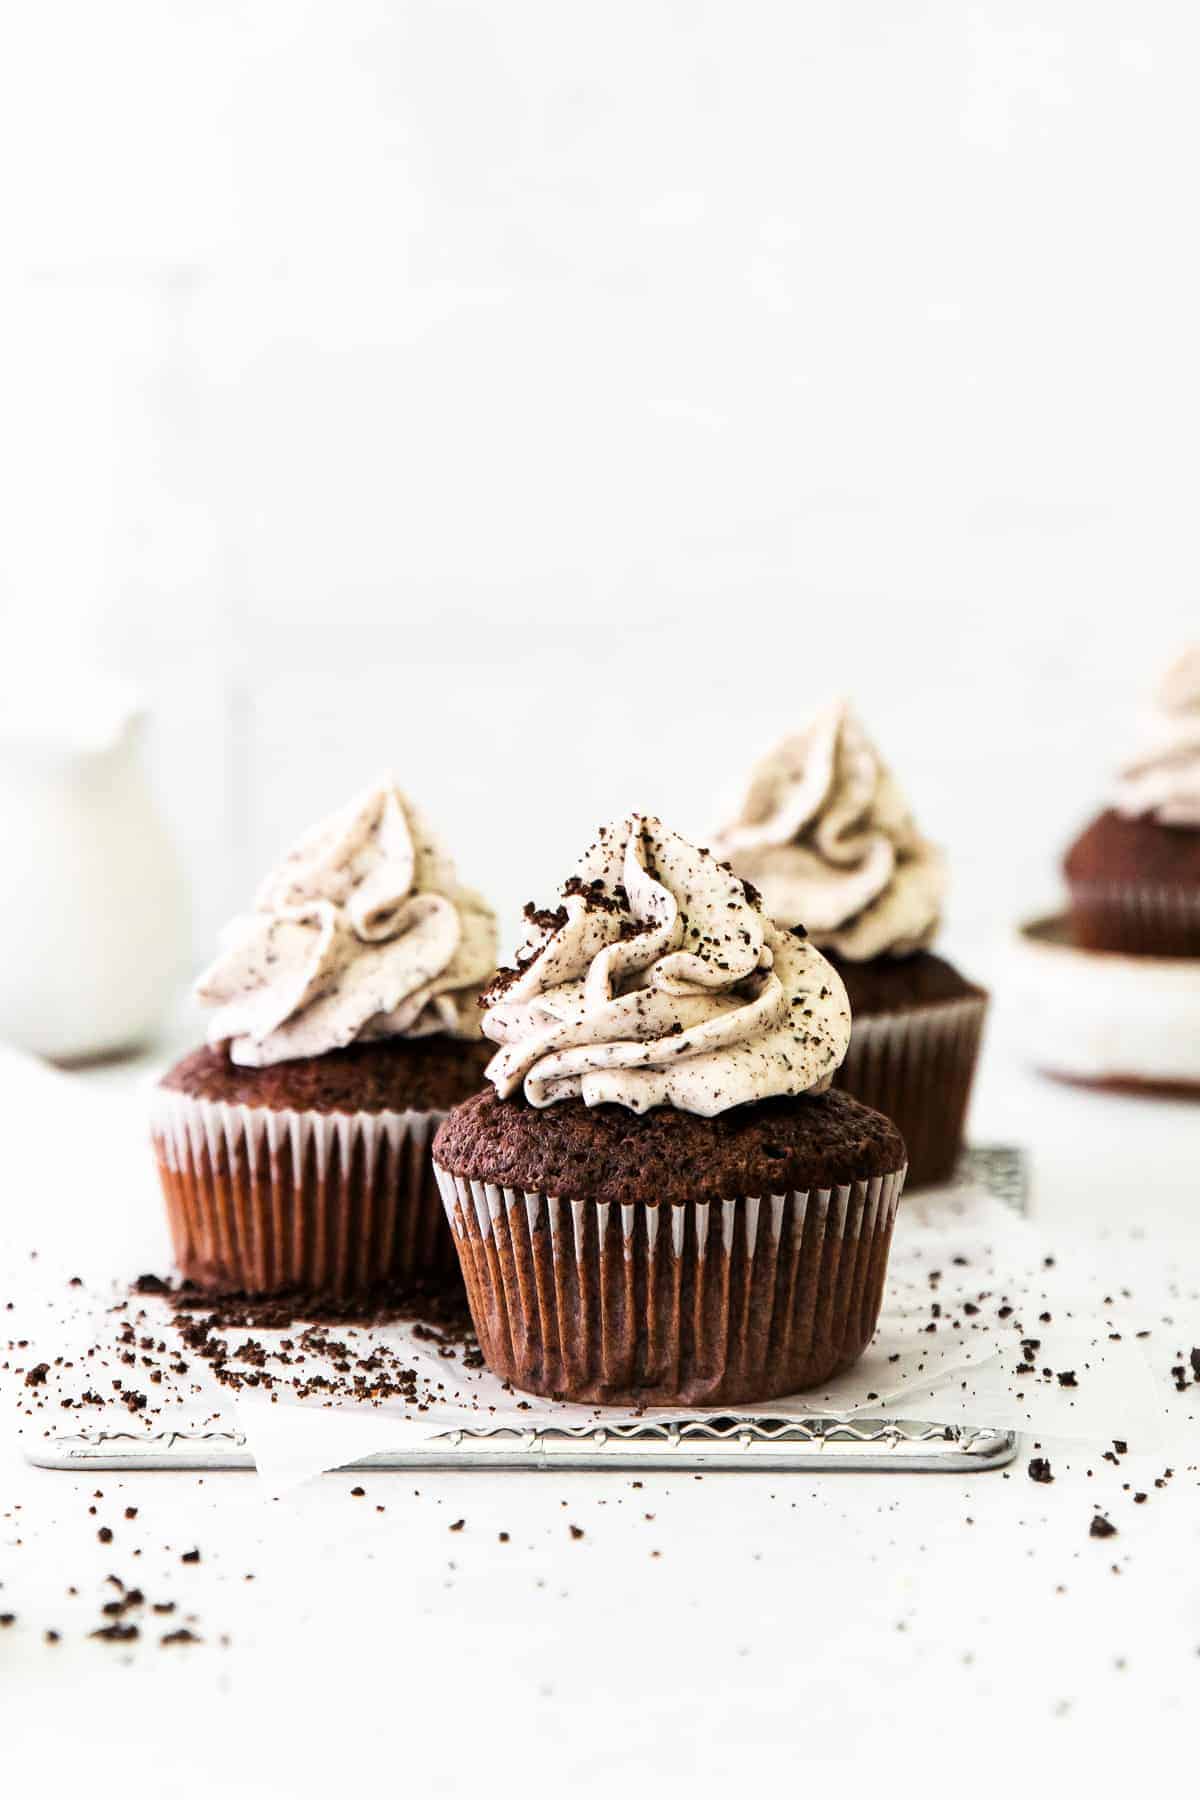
{"x": 294, "y": 1150}
{"x": 825, "y": 833}
{"x": 657, "y": 1201}
{"x": 1134, "y": 873}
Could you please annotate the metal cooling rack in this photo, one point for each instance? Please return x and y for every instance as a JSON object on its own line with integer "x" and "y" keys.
{"x": 753, "y": 1441}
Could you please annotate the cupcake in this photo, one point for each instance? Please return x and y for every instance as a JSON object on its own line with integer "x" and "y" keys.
{"x": 1134, "y": 873}
{"x": 656, "y": 1200}
{"x": 294, "y": 1148}
{"x": 824, "y": 832}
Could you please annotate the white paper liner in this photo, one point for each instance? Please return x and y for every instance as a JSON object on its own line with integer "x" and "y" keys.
{"x": 697, "y": 1301}
{"x": 334, "y": 1203}
{"x": 917, "y": 1068}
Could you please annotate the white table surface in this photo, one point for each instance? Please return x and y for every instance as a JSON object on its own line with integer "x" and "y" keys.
{"x": 700, "y": 1633}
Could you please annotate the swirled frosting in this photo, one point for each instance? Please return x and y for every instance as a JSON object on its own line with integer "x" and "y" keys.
{"x": 362, "y": 932}
{"x": 659, "y": 981}
{"x": 825, "y": 833}
{"x": 1163, "y": 781}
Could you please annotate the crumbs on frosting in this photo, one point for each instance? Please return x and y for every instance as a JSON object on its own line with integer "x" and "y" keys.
{"x": 658, "y": 980}
{"x": 362, "y": 932}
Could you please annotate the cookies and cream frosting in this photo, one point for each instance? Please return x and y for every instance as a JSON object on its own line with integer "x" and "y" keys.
{"x": 1163, "y": 781}
{"x": 362, "y": 932}
{"x": 825, "y": 833}
{"x": 659, "y": 981}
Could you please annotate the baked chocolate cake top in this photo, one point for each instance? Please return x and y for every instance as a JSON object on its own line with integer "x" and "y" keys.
{"x": 1117, "y": 851}
{"x": 428, "y": 1074}
{"x": 573, "y": 1151}
{"x": 658, "y": 981}
{"x": 826, "y": 834}
{"x": 900, "y": 984}
{"x": 362, "y": 932}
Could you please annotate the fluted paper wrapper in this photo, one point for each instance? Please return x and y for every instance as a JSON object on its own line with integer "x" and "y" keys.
{"x": 702, "y": 1303}
{"x": 262, "y": 1201}
{"x": 1135, "y": 918}
{"x": 917, "y": 1068}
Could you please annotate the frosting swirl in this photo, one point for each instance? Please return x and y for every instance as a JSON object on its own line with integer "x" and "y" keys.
{"x": 362, "y": 932}
{"x": 1163, "y": 782}
{"x": 825, "y": 833}
{"x": 658, "y": 981}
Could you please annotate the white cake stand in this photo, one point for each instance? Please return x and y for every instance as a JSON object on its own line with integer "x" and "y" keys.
{"x": 1101, "y": 1017}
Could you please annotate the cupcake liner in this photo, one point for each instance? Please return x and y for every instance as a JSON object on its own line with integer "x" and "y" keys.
{"x": 917, "y": 1068}
{"x": 1136, "y": 918}
{"x": 260, "y": 1201}
{"x": 699, "y": 1303}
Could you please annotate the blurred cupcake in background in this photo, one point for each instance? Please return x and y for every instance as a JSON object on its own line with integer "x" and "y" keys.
{"x": 824, "y": 833}
{"x": 294, "y": 1149}
{"x": 655, "y": 1198}
{"x": 1134, "y": 873}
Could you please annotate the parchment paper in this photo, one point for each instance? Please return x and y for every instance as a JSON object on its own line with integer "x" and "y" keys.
{"x": 988, "y": 1273}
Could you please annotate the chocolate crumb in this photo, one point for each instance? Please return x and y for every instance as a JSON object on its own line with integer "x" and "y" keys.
{"x": 1040, "y": 1470}
{"x": 1101, "y": 1527}
{"x": 190, "y": 1556}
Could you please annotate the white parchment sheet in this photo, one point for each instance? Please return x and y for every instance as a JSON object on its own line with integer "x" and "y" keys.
{"x": 983, "y": 1323}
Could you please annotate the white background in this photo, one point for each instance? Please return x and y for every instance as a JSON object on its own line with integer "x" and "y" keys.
{"x": 551, "y": 402}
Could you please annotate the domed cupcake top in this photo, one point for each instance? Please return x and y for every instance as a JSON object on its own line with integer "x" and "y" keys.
{"x": 825, "y": 833}
{"x": 362, "y": 932}
{"x": 1163, "y": 782}
{"x": 659, "y": 981}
